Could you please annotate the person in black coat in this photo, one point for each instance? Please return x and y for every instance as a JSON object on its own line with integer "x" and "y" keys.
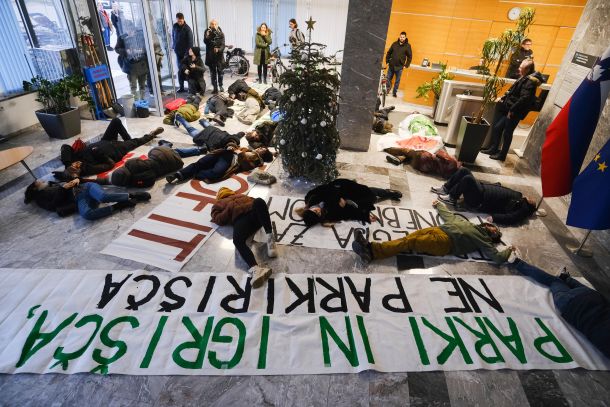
{"x": 209, "y": 139}
{"x": 214, "y": 40}
{"x": 262, "y": 135}
{"x": 506, "y": 206}
{"x": 512, "y": 108}
{"x": 524, "y": 52}
{"x": 182, "y": 37}
{"x": 398, "y": 57}
{"x": 101, "y": 156}
{"x": 343, "y": 199}
{"x": 193, "y": 69}
{"x": 142, "y": 173}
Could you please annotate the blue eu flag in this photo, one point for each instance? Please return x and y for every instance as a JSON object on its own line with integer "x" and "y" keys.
{"x": 590, "y": 206}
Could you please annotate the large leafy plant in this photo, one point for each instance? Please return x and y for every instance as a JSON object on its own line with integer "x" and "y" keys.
{"x": 495, "y": 51}
{"x": 435, "y": 85}
{"x": 55, "y": 95}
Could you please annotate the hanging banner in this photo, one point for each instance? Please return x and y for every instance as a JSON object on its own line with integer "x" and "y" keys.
{"x": 143, "y": 323}
{"x": 394, "y": 222}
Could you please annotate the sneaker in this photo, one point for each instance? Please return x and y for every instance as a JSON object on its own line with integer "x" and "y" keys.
{"x": 176, "y": 122}
{"x": 165, "y": 143}
{"x": 259, "y": 275}
{"x": 394, "y": 194}
{"x": 218, "y": 120}
{"x": 514, "y": 256}
{"x": 172, "y": 177}
{"x": 109, "y": 48}
{"x": 440, "y": 190}
{"x": 271, "y": 248}
{"x": 564, "y": 275}
{"x": 447, "y": 199}
{"x": 222, "y": 89}
{"x": 261, "y": 177}
{"x": 139, "y": 196}
{"x": 393, "y": 160}
{"x": 157, "y": 131}
{"x": 362, "y": 247}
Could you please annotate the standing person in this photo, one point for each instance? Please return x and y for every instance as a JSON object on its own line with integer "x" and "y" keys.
{"x": 214, "y": 40}
{"x": 105, "y": 24}
{"x": 247, "y": 215}
{"x": 182, "y": 37}
{"x": 132, "y": 59}
{"x": 262, "y": 51}
{"x": 398, "y": 57}
{"x": 296, "y": 37}
{"x": 512, "y": 108}
{"x": 193, "y": 69}
{"x": 116, "y": 16}
{"x": 524, "y": 52}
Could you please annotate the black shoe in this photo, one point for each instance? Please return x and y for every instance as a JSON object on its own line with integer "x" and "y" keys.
{"x": 490, "y": 151}
{"x": 564, "y": 275}
{"x": 362, "y": 247}
{"x": 171, "y": 178}
{"x": 447, "y": 199}
{"x": 181, "y": 90}
{"x": 222, "y": 89}
{"x": 394, "y": 194}
{"x": 215, "y": 91}
{"x": 157, "y": 131}
{"x": 394, "y": 94}
{"x": 139, "y": 196}
{"x": 123, "y": 205}
{"x": 498, "y": 157}
{"x": 109, "y": 48}
{"x": 218, "y": 120}
{"x": 393, "y": 160}
{"x": 440, "y": 190}
{"x": 165, "y": 143}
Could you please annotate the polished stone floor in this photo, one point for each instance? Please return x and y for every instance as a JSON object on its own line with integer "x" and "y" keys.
{"x": 29, "y": 238}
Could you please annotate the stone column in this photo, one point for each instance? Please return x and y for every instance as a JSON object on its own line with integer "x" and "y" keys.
{"x": 365, "y": 35}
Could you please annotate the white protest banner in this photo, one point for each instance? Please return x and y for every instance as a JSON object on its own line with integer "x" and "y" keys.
{"x": 143, "y": 323}
{"x": 394, "y": 223}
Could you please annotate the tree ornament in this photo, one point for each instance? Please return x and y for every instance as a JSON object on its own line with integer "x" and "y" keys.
{"x": 282, "y": 142}
{"x": 293, "y": 98}
{"x": 303, "y": 154}
{"x": 323, "y": 123}
{"x": 303, "y": 121}
{"x": 319, "y": 157}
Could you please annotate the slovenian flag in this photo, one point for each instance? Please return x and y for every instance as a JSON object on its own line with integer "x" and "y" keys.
{"x": 569, "y": 135}
{"x": 590, "y": 205}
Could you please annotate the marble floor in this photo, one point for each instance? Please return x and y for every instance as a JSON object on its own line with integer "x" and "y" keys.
{"x": 28, "y": 237}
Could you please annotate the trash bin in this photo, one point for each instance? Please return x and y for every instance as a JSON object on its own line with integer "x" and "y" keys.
{"x": 465, "y": 105}
{"x": 127, "y": 102}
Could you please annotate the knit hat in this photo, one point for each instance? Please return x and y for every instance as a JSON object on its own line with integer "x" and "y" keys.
{"x": 224, "y": 192}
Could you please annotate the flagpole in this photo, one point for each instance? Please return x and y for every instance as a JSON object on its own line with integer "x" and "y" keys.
{"x": 540, "y": 212}
{"x": 578, "y": 250}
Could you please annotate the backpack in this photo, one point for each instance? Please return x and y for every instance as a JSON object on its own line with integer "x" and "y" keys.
{"x": 141, "y": 107}
{"x": 175, "y": 104}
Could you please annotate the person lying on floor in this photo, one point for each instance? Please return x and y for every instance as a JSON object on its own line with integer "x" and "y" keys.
{"x": 103, "y": 155}
{"x": 209, "y": 139}
{"x": 380, "y": 119}
{"x": 142, "y": 173}
{"x": 188, "y": 111}
{"x": 253, "y": 106}
{"x": 457, "y": 236}
{"x": 69, "y": 197}
{"x": 247, "y": 215}
{"x": 221, "y": 164}
{"x": 583, "y": 308}
{"x": 220, "y": 105}
{"x": 439, "y": 163}
{"x": 343, "y": 199}
{"x": 262, "y": 135}
{"x": 505, "y": 206}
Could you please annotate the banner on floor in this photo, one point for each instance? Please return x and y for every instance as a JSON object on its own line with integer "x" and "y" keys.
{"x": 143, "y": 323}
{"x": 177, "y": 228}
{"x": 394, "y": 222}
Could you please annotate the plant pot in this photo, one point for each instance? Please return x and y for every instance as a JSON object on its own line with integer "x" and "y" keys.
{"x": 61, "y": 126}
{"x": 470, "y": 139}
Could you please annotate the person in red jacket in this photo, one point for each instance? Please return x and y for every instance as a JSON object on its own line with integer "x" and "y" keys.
{"x": 247, "y": 215}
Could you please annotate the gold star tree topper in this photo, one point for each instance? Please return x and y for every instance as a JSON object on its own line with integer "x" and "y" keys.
{"x": 310, "y": 23}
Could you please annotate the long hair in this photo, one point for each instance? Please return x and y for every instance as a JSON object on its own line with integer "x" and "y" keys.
{"x": 30, "y": 193}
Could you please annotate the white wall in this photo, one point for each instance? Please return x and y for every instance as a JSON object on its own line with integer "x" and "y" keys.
{"x": 18, "y": 113}
{"x": 331, "y": 22}
{"x": 235, "y": 19}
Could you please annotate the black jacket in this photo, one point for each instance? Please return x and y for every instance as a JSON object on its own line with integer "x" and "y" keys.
{"x": 56, "y": 198}
{"x": 265, "y": 130}
{"x": 214, "y": 46}
{"x": 330, "y": 194}
{"x": 214, "y": 138}
{"x": 520, "y": 98}
{"x": 199, "y": 69}
{"x": 399, "y": 55}
{"x": 182, "y": 39}
{"x": 138, "y": 172}
{"x": 506, "y": 206}
{"x": 515, "y": 60}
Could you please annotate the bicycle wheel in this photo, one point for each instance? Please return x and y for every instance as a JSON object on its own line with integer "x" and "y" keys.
{"x": 384, "y": 92}
{"x": 238, "y": 65}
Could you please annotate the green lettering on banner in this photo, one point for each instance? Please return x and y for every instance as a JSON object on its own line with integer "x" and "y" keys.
{"x": 515, "y": 337}
{"x": 64, "y": 358}
{"x": 365, "y": 339}
{"x": 217, "y": 337}
{"x": 200, "y": 343}
{"x": 350, "y": 353}
{"x": 421, "y": 348}
{"x": 37, "y": 340}
{"x": 563, "y": 357}
{"x": 453, "y": 342}
{"x": 152, "y": 346}
{"x": 262, "y": 352}
{"x": 121, "y": 346}
{"x": 484, "y": 338}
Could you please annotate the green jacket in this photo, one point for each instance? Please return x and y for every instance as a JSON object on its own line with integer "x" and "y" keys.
{"x": 468, "y": 237}
{"x": 188, "y": 111}
{"x": 262, "y": 43}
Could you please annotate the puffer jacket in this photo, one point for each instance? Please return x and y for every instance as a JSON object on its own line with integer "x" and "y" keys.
{"x": 496, "y": 197}
{"x": 226, "y": 210}
{"x": 188, "y": 111}
{"x": 520, "y": 98}
{"x": 214, "y": 138}
{"x": 138, "y": 172}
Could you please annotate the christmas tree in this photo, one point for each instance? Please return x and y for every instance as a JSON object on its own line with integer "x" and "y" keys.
{"x": 307, "y": 136}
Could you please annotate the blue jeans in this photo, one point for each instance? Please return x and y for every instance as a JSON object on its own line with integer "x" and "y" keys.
{"x": 391, "y": 73}
{"x": 563, "y": 291}
{"x": 192, "y": 131}
{"x": 188, "y": 152}
{"x": 106, "y": 35}
{"x": 211, "y": 167}
{"x": 91, "y": 195}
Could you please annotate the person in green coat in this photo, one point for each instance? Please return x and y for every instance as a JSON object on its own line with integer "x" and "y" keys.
{"x": 262, "y": 51}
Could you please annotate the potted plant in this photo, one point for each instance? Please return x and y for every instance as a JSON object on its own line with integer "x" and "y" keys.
{"x": 57, "y": 117}
{"x": 474, "y": 129}
{"x": 435, "y": 86}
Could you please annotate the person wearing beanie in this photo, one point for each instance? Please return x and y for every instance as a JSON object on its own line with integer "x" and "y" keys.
{"x": 456, "y": 236}
{"x": 343, "y": 199}
{"x": 247, "y": 215}
{"x": 193, "y": 69}
{"x": 67, "y": 198}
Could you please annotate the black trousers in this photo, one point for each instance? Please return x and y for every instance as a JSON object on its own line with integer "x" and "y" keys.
{"x": 219, "y": 107}
{"x": 181, "y": 76}
{"x": 262, "y": 67}
{"x": 246, "y": 225}
{"x": 216, "y": 74}
{"x": 462, "y": 182}
{"x": 116, "y": 129}
{"x": 502, "y": 131}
